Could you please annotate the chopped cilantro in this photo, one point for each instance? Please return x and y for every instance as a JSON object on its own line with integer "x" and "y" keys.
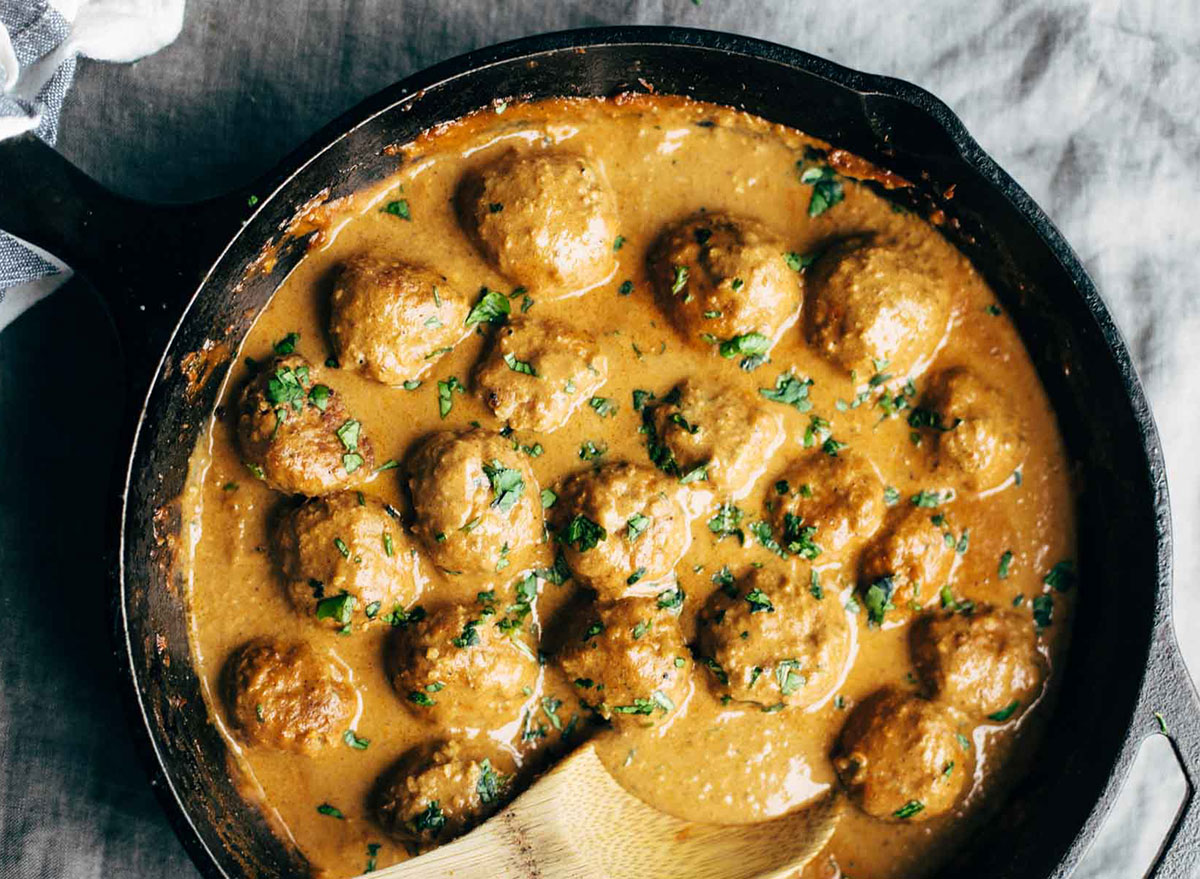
{"x": 445, "y": 391}
{"x": 931, "y": 499}
{"x": 372, "y": 856}
{"x": 797, "y": 261}
{"x": 589, "y": 451}
{"x": 1005, "y": 713}
{"x": 878, "y": 599}
{"x": 790, "y": 391}
{"x": 491, "y": 785}
{"x": 558, "y": 573}
{"x": 748, "y": 344}
{"x": 400, "y": 618}
{"x": 522, "y": 366}
{"x": 814, "y": 585}
{"x": 469, "y": 637}
{"x": 827, "y": 189}
{"x": 759, "y": 602}
{"x": 398, "y": 208}
{"x": 339, "y": 608}
{"x": 1043, "y": 611}
{"x": 429, "y": 821}
{"x": 671, "y": 599}
{"x": 1061, "y": 577}
{"x": 788, "y": 677}
{"x": 583, "y": 533}
{"x": 603, "y": 406}
{"x": 912, "y": 807}
{"x": 636, "y": 525}
{"x": 492, "y": 307}
{"x": 507, "y": 485}
{"x": 287, "y": 344}
{"x": 930, "y": 419}
{"x": 726, "y": 523}
{"x": 639, "y": 399}
{"x": 680, "y": 279}
{"x": 1005, "y": 564}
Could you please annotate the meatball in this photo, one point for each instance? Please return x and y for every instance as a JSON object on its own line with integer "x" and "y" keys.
{"x": 622, "y": 527}
{"x": 544, "y": 220}
{"x": 628, "y": 661}
{"x": 345, "y": 557}
{"x": 715, "y": 433}
{"x": 392, "y": 320}
{"x": 899, "y": 757}
{"x": 287, "y": 697}
{"x": 906, "y": 564}
{"x": 463, "y": 668}
{"x": 296, "y": 435}
{"x": 478, "y": 505}
{"x": 985, "y": 663}
{"x": 539, "y": 372}
{"x": 977, "y": 436}
{"x": 722, "y": 278}
{"x": 768, "y": 638}
{"x": 873, "y": 307}
{"x": 842, "y": 497}
{"x": 434, "y": 794}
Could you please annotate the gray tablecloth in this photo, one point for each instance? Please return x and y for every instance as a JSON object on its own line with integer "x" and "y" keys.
{"x": 1094, "y": 107}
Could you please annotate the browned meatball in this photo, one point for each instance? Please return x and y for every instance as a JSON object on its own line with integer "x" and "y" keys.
{"x": 346, "y": 558}
{"x": 622, "y": 527}
{"x": 985, "y": 663}
{"x": 392, "y": 320}
{"x": 539, "y": 372}
{"x": 899, "y": 757}
{"x": 770, "y": 639}
{"x": 434, "y": 794}
{"x": 905, "y": 565}
{"x": 296, "y": 435}
{"x": 714, "y": 433}
{"x": 628, "y": 661}
{"x": 546, "y": 220}
{"x": 478, "y": 505}
{"x": 461, "y": 667}
{"x": 725, "y": 280}
{"x": 287, "y": 697}
{"x": 977, "y": 436}
{"x": 841, "y": 496}
{"x": 873, "y": 307}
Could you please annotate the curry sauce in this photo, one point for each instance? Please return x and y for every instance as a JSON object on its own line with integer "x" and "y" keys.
{"x": 1006, "y": 539}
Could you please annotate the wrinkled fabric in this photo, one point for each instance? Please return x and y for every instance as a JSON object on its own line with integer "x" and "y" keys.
{"x": 1092, "y": 106}
{"x": 39, "y": 42}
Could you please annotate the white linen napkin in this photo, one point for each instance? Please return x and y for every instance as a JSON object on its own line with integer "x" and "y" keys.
{"x": 39, "y": 41}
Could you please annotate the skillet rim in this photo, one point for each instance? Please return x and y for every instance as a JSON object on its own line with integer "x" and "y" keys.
{"x": 277, "y": 181}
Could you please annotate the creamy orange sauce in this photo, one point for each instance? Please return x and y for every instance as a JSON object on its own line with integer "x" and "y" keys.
{"x": 711, "y": 762}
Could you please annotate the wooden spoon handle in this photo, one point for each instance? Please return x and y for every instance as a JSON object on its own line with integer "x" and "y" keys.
{"x": 577, "y": 823}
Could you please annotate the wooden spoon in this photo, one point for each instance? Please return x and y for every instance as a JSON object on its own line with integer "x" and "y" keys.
{"x": 576, "y": 822}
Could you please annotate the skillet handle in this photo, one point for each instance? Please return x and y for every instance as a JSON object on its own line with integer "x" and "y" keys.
{"x": 144, "y": 259}
{"x": 1170, "y": 705}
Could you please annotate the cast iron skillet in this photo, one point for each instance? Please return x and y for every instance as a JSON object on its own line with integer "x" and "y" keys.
{"x": 176, "y": 281}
